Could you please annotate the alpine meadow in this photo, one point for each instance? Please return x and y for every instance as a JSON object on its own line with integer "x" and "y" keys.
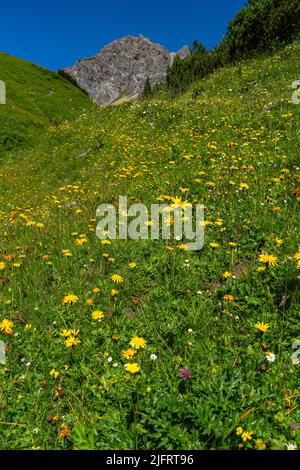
{"x": 143, "y": 344}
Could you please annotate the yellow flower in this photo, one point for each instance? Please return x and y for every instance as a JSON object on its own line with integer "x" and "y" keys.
{"x": 137, "y": 342}
{"x": 129, "y": 353}
{"x": 296, "y": 257}
{"x": 263, "y": 327}
{"x": 259, "y": 444}
{"x": 232, "y": 244}
{"x": 132, "y": 265}
{"x": 96, "y": 290}
{"x": 114, "y": 292}
{"x": 117, "y": 278}
{"x": 72, "y": 341}
{"x": 261, "y": 269}
{"x": 226, "y": 275}
{"x": 89, "y": 302}
{"x": 244, "y": 186}
{"x": 268, "y": 259}
{"x": 105, "y": 242}
{"x": 66, "y": 253}
{"x": 2, "y": 265}
{"x": 132, "y": 368}
{"x": 214, "y": 245}
{"x": 65, "y": 333}
{"x": 239, "y": 431}
{"x": 278, "y": 242}
{"x": 228, "y": 297}
{"x": 28, "y": 326}
{"x": 54, "y": 373}
{"x": 70, "y": 299}
{"x": 6, "y": 327}
{"x": 97, "y": 315}
{"x": 80, "y": 241}
{"x": 247, "y": 436}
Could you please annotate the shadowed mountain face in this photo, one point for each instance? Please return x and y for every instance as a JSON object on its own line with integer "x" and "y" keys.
{"x": 121, "y": 68}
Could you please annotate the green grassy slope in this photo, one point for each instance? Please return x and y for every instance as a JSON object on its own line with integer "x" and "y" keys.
{"x": 36, "y": 98}
{"x": 235, "y": 148}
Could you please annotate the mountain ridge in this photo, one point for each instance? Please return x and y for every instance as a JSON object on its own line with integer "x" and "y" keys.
{"x": 120, "y": 69}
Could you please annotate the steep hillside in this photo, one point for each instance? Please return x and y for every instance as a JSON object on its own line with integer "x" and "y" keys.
{"x": 36, "y": 99}
{"x": 142, "y": 344}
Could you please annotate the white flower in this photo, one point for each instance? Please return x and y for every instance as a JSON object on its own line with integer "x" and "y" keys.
{"x": 109, "y": 359}
{"x": 270, "y": 357}
{"x": 291, "y": 446}
{"x": 153, "y": 357}
{"x": 115, "y": 364}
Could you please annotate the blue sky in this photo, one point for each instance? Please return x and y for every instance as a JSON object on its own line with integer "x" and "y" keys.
{"x": 56, "y": 33}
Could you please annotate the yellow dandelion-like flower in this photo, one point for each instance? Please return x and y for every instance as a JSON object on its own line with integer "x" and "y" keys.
{"x": 296, "y": 256}
{"x": 89, "y": 302}
{"x": 226, "y": 275}
{"x": 70, "y": 299}
{"x": 96, "y": 290}
{"x": 117, "y": 278}
{"x": 2, "y": 265}
{"x": 136, "y": 342}
{"x": 214, "y": 245}
{"x": 114, "y": 292}
{"x": 97, "y": 315}
{"x": 66, "y": 253}
{"x": 278, "y": 242}
{"x": 129, "y": 353}
{"x": 261, "y": 269}
{"x": 232, "y": 244}
{"x": 105, "y": 242}
{"x": 80, "y": 241}
{"x": 263, "y": 327}
{"x": 133, "y": 368}
{"x": 272, "y": 260}
{"x": 244, "y": 186}
{"x": 239, "y": 431}
{"x": 6, "y": 326}
{"x": 72, "y": 341}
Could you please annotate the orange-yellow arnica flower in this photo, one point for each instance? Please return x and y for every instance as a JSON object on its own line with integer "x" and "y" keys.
{"x": 117, "y": 278}
{"x": 136, "y": 342}
{"x": 72, "y": 341}
{"x": 129, "y": 353}
{"x": 263, "y": 327}
{"x": 132, "y": 368}
{"x": 97, "y": 315}
{"x": 70, "y": 299}
{"x": 268, "y": 259}
{"x": 228, "y": 297}
{"x": 89, "y": 302}
{"x": 6, "y": 326}
{"x": 64, "y": 432}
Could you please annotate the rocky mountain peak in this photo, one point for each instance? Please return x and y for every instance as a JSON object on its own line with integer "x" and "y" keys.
{"x": 121, "y": 68}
